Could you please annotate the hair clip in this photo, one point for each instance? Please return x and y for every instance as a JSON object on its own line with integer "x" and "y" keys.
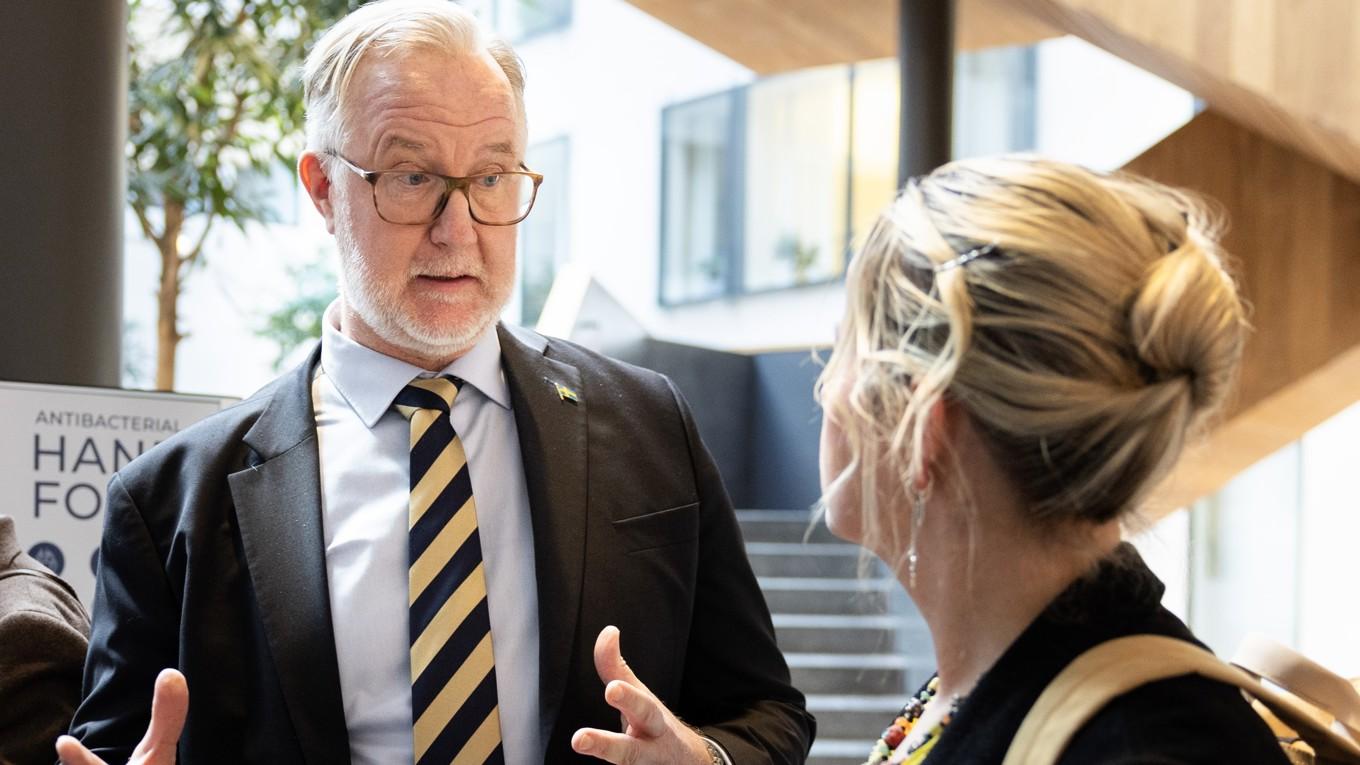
{"x": 966, "y": 258}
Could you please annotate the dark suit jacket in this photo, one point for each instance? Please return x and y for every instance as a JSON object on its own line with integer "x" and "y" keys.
{"x": 212, "y": 561}
{"x": 43, "y": 631}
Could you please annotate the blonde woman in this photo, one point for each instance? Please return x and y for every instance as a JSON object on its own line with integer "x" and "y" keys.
{"x": 1026, "y": 346}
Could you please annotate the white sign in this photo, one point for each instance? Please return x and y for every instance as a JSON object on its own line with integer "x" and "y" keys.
{"x": 60, "y": 446}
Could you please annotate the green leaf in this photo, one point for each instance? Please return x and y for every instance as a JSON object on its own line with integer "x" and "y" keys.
{"x": 190, "y": 137}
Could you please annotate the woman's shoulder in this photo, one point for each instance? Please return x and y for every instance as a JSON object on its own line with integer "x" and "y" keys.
{"x": 1185, "y": 720}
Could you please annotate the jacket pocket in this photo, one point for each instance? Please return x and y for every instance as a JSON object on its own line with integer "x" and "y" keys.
{"x": 660, "y": 529}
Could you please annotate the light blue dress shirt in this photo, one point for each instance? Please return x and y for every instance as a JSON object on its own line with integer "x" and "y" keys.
{"x": 365, "y": 486}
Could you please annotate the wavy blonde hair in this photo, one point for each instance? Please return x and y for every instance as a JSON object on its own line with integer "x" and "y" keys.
{"x": 1099, "y": 328}
{"x": 389, "y": 27}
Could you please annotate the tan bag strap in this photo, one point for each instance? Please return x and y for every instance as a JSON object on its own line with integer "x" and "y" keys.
{"x": 1096, "y": 678}
{"x": 1303, "y": 677}
{"x": 1118, "y": 666}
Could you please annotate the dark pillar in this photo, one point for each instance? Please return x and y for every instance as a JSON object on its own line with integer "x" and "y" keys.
{"x": 925, "y": 51}
{"x": 63, "y": 93}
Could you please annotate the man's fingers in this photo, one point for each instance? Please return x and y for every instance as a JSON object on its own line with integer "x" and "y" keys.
{"x": 643, "y": 714}
{"x": 609, "y": 661}
{"x": 617, "y": 748}
{"x": 169, "y": 708}
{"x": 72, "y": 752}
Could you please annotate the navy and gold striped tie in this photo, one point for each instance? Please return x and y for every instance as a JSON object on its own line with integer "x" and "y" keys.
{"x": 453, "y": 673}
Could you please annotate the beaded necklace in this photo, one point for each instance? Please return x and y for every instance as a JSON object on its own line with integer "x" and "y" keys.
{"x": 893, "y": 745}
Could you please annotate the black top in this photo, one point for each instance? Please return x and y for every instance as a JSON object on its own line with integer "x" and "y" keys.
{"x": 1179, "y": 721}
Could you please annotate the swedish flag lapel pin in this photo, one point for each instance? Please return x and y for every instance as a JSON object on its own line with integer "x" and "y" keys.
{"x": 567, "y": 394}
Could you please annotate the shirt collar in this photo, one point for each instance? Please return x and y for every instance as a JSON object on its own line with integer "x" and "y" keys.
{"x": 369, "y": 381}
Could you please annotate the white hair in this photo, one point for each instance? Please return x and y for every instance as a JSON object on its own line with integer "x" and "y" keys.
{"x": 385, "y": 27}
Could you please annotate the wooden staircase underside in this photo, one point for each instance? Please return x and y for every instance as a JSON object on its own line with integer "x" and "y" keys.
{"x": 1294, "y": 237}
{"x": 772, "y": 36}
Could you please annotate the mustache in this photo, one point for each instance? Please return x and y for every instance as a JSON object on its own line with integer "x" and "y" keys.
{"x": 447, "y": 270}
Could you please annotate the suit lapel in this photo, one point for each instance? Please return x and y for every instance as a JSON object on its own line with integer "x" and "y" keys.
{"x": 552, "y": 440}
{"x": 278, "y": 507}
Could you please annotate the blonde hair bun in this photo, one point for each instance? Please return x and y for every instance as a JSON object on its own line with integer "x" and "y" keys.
{"x": 1185, "y": 323}
{"x": 1089, "y": 326}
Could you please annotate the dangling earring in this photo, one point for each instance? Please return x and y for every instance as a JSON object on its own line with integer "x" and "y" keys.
{"x": 919, "y": 497}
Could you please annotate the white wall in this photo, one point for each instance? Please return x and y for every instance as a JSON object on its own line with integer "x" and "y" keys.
{"x": 243, "y": 277}
{"x": 1165, "y": 548}
{"x": 1099, "y": 110}
{"x": 1276, "y": 551}
{"x": 1244, "y": 556}
{"x": 604, "y": 82}
{"x": 1329, "y": 545}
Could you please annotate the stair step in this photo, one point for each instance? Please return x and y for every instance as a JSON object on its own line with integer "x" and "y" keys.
{"x": 851, "y": 674}
{"x": 787, "y": 583}
{"x": 815, "y": 559}
{"x": 853, "y": 641}
{"x": 853, "y": 716}
{"x": 835, "y": 751}
{"x": 800, "y": 549}
{"x": 807, "y": 595}
{"x": 837, "y": 633}
{"x": 847, "y": 660}
{"x": 789, "y": 526}
{"x": 844, "y": 680}
{"x": 861, "y": 640}
{"x": 838, "y": 621}
{"x": 877, "y": 704}
{"x": 826, "y": 602}
{"x": 859, "y": 674}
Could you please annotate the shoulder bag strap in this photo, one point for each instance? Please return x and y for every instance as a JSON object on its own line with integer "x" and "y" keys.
{"x": 1303, "y": 677}
{"x": 1097, "y": 677}
{"x": 1118, "y": 666}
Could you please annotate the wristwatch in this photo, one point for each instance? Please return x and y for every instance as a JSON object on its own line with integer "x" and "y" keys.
{"x": 715, "y": 755}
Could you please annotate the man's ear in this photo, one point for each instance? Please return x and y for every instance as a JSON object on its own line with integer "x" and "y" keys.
{"x": 318, "y": 185}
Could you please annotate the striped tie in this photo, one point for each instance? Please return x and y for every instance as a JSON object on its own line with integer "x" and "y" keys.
{"x": 453, "y": 674}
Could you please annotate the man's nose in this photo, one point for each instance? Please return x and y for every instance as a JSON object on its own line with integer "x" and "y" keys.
{"x": 454, "y": 226}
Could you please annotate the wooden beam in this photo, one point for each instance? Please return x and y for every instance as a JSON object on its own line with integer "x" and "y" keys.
{"x": 1293, "y": 229}
{"x": 772, "y": 37}
{"x": 1258, "y": 432}
{"x": 1283, "y": 67}
{"x": 986, "y": 24}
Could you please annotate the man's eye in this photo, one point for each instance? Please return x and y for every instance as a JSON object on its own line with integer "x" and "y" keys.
{"x": 414, "y": 180}
{"x": 489, "y": 181}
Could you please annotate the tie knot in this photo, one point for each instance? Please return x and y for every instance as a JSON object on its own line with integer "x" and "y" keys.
{"x": 435, "y": 393}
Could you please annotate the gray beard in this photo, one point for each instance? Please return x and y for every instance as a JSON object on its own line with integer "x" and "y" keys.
{"x": 391, "y": 321}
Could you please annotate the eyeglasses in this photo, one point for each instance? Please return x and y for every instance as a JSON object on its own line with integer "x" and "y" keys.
{"x": 417, "y": 197}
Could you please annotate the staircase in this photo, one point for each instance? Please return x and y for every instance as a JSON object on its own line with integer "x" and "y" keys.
{"x": 854, "y": 643}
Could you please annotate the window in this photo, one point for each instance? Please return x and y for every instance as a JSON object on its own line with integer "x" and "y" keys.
{"x": 873, "y": 143}
{"x": 797, "y": 145}
{"x": 994, "y": 99}
{"x": 772, "y": 185}
{"x": 700, "y": 171}
{"x": 543, "y": 243}
{"x": 518, "y": 20}
{"x": 1272, "y": 552}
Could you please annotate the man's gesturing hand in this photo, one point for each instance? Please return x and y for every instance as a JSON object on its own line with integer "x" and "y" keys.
{"x": 169, "y": 707}
{"x": 651, "y": 734}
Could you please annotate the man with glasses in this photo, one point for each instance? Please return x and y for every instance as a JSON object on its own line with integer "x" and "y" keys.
{"x": 426, "y": 543}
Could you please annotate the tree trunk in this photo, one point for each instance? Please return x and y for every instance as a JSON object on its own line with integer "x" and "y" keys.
{"x": 167, "y": 298}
